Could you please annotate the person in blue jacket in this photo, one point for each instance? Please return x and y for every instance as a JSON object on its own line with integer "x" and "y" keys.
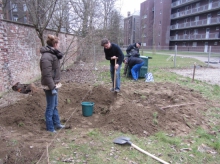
{"x": 135, "y": 63}
{"x": 112, "y": 53}
{"x": 132, "y": 50}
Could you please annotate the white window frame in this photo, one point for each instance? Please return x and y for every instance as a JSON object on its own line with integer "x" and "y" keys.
{"x": 15, "y": 18}
{"x": 24, "y": 7}
{"x": 215, "y": 43}
{"x": 217, "y": 29}
{"x": 14, "y": 7}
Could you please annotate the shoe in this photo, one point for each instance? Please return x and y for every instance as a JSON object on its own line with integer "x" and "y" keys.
{"x": 112, "y": 90}
{"x": 60, "y": 126}
{"x": 54, "y": 131}
{"x": 117, "y": 90}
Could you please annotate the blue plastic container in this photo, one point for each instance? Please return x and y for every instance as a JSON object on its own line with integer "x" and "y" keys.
{"x": 87, "y": 108}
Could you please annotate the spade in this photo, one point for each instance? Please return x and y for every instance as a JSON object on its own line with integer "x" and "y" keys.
{"x": 126, "y": 140}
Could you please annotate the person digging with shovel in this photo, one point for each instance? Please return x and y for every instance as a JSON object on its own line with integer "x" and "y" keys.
{"x": 116, "y": 56}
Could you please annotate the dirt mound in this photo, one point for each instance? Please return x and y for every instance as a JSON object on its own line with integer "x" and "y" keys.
{"x": 142, "y": 109}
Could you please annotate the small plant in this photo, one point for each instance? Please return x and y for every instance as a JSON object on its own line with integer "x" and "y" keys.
{"x": 68, "y": 101}
{"x": 20, "y": 124}
{"x": 155, "y": 116}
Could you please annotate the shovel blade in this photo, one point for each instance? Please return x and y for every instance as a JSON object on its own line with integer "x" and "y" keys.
{"x": 122, "y": 140}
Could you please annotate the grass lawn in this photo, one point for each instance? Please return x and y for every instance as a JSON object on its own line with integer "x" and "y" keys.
{"x": 97, "y": 147}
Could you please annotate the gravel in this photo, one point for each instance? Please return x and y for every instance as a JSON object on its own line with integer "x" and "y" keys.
{"x": 210, "y": 74}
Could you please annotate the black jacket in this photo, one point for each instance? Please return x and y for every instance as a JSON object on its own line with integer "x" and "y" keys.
{"x": 130, "y": 47}
{"x": 134, "y": 60}
{"x": 114, "y": 50}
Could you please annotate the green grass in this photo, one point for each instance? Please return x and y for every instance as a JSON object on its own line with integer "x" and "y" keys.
{"x": 95, "y": 146}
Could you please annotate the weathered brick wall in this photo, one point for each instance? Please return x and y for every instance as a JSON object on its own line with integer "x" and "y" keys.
{"x": 20, "y": 55}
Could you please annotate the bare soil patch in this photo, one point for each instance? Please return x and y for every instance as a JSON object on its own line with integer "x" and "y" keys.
{"x": 140, "y": 108}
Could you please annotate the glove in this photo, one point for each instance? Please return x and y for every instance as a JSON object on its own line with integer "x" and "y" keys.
{"x": 54, "y": 92}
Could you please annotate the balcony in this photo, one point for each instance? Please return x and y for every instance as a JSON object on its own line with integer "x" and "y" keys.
{"x": 196, "y": 11}
{"x": 193, "y": 24}
{"x": 182, "y": 3}
{"x": 208, "y": 36}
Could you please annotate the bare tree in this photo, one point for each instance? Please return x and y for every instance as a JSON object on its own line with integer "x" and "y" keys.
{"x": 40, "y": 12}
{"x": 108, "y": 6}
{"x": 114, "y": 27}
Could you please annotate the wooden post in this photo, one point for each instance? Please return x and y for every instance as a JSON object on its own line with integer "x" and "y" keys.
{"x": 194, "y": 69}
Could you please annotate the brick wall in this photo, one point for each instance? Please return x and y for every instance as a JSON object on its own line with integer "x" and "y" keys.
{"x": 20, "y": 55}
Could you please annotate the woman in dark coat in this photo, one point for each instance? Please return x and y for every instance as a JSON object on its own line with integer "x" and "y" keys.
{"x": 50, "y": 80}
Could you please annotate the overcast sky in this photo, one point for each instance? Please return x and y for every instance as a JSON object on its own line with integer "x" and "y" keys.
{"x": 129, "y": 5}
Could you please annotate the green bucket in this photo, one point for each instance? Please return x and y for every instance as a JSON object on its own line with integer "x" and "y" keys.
{"x": 87, "y": 108}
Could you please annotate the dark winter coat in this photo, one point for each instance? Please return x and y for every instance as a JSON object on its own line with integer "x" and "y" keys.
{"x": 131, "y": 47}
{"x": 134, "y": 60}
{"x": 114, "y": 50}
{"x": 50, "y": 66}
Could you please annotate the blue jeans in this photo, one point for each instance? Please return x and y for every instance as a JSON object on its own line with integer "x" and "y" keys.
{"x": 118, "y": 81}
{"x": 135, "y": 70}
{"x": 51, "y": 114}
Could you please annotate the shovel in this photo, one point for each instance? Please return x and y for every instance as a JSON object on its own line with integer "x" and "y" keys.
{"x": 115, "y": 74}
{"x": 126, "y": 140}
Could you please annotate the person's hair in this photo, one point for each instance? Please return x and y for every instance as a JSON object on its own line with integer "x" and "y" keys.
{"x": 52, "y": 40}
{"x": 104, "y": 41}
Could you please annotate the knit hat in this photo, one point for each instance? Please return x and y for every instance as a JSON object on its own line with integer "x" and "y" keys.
{"x": 139, "y": 43}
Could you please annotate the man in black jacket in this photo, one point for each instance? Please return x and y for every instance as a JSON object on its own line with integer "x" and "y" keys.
{"x": 132, "y": 50}
{"x": 112, "y": 53}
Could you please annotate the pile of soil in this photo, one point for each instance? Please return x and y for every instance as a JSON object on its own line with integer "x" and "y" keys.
{"x": 140, "y": 108}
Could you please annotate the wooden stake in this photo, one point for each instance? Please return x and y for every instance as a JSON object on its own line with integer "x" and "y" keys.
{"x": 170, "y": 106}
{"x": 194, "y": 69}
{"x": 48, "y": 161}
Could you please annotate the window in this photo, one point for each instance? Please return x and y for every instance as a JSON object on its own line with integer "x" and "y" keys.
{"x": 218, "y": 13}
{"x": 217, "y": 28}
{"x": 160, "y": 23}
{"x": 186, "y": 8}
{"x": 215, "y": 43}
{"x": 24, "y": 7}
{"x": 194, "y": 44}
{"x": 186, "y": 20}
{"x": 25, "y": 19}
{"x": 197, "y": 5}
{"x": 195, "y": 31}
{"x": 184, "y": 44}
{"x": 196, "y": 18}
{"x": 15, "y": 18}
{"x": 160, "y": 12}
{"x": 185, "y": 32}
{"x": 14, "y": 7}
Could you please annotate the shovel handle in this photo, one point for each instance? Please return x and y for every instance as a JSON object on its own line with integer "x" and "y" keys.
{"x": 115, "y": 73}
{"x": 143, "y": 151}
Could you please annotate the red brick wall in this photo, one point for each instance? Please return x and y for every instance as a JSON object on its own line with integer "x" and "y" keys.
{"x": 20, "y": 55}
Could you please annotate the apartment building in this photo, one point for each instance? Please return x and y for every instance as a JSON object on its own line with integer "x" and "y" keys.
{"x": 189, "y": 24}
{"x": 195, "y": 23}
{"x": 131, "y": 29}
{"x": 15, "y": 10}
{"x": 155, "y": 23}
